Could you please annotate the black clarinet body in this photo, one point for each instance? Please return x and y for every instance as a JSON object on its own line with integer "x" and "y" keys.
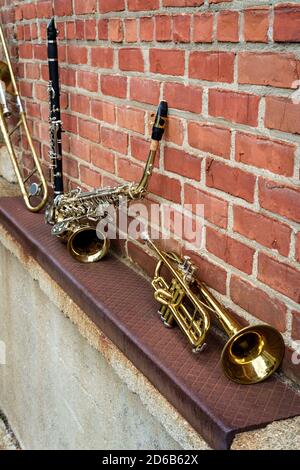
{"x": 55, "y": 123}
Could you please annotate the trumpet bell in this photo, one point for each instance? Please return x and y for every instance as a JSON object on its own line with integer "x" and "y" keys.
{"x": 252, "y": 354}
{"x": 85, "y": 245}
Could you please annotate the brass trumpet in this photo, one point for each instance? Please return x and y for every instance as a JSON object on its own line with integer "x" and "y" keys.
{"x": 251, "y": 354}
{"x": 34, "y": 184}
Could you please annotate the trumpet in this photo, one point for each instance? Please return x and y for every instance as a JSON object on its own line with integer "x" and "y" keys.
{"x": 251, "y": 354}
{"x": 34, "y": 184}
{"x": 75, "y": 215}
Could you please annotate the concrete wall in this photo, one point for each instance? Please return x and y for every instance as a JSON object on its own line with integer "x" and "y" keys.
{"x": 58, "y": 391}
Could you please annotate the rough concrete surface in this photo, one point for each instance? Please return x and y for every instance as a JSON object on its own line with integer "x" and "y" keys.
{"x": 7, "y": 438}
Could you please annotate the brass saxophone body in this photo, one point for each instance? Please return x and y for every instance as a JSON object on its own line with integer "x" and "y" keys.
{"x": 75, "y": 215}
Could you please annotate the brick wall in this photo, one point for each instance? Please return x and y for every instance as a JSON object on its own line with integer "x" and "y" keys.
{"x": 227, "y": 70}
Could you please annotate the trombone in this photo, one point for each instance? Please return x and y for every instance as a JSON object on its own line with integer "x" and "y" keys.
{"x": 34, "y": 184}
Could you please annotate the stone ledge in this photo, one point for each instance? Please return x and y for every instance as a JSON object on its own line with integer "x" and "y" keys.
{"x": 206, "y": 420}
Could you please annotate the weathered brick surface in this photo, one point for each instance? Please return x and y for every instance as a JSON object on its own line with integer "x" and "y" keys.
{"x": 230, "y": 72}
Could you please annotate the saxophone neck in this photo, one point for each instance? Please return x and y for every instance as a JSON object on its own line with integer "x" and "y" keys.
{"x": 139, "y": 189}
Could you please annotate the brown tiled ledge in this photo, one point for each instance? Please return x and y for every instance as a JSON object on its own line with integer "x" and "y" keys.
{"x": 121, "y": 304}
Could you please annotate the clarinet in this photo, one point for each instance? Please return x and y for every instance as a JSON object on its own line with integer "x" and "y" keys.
{"x": 55, "y": 131}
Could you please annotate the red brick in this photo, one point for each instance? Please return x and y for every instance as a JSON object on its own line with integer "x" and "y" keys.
{"x": 131, "y": 59}
{"x": 62, "y": 53}
{"x": 80, "y": 104}
{"x": 186, "y": 97}
{"x": 281, "y": 277}
{"x": 102, "y": 57}
{"x": 41, "y": 91}
{"x": 166, "y": 61}
{"x": 103, "y": 111}
{"x": 146, "y": 29}
{"x": 29, "y": 11}
{"x": 111, "y": 5}
{"x": 141, "y": 5}
{"x": 256, "y": 24}
{"x": 115, "y": 140}
{"x": 33, "y": 110}
{"x": 26, "y": 90}
{"x": 80, "y": 148}
{"x": 229, "y": 250}
{"x": 163, "y": 186}
{"x": 84, "y": 7}
{"x": 89, "y": 130}
{"x": 70, "y": 123}
{"x": 33, "y": 31}
{"x": 280, "y": 199}
{"x": 163, "y": 28}
{"x": 67, "y": 76}
{"x": 287, "y": 23}
{"x": 296, "y": 325}
{"x": 90, "y": 30}
{"x": 32, "y": 71}
{"x": 115, "y": 30}
{"x": 211, "y": 139}
{"x": 228, "y": 26}
{"x": 44, "y": 9}
{"x": 203, "y": 27}
{"x": 182, "y": 3}
{"x": 70, "y": 30}
{"x": 236, "y": 107}
{"x": 181, "y": 28}
{"x": 258, "y": 303}
{"x": 140, "y": 257}
{"x": 215, "y": 209}
{"x": 18, "y": 13}
{"x": 230, "y": 180}
{"x": 71, "y": 167}
{"x": 266, "y": 231}
{"x": 63, "y": 7}
{"x": 26, "y": 51}
{"x": 114, "y": 85}
{"x": 298, "y": 247}
{"x": 131, "y": 30}
{"x": 77, "y": 55}
{"x": 174, "y": 131}
{"x": 140, "y": 148}
{"x": 87, "y": 80}
{"x": 213, "y": 66}
{"x": 103, "y": 29}
{"x": 40, "y": 52}
{"x": 90, "y": 177}
{"x": 268, "y": 68}
{"x": 128, "y": 171}
{"x": 102, "y": 158}
{"x": 182, "y": 163}
{"x": 272, "y": 155}
{"x": 282, "y": 114}
{"x": 131, "y": 118}
{"x": 145, "y": 91}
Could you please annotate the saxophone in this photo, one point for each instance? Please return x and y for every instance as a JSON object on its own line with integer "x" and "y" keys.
{"x": 75, "y": 215}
